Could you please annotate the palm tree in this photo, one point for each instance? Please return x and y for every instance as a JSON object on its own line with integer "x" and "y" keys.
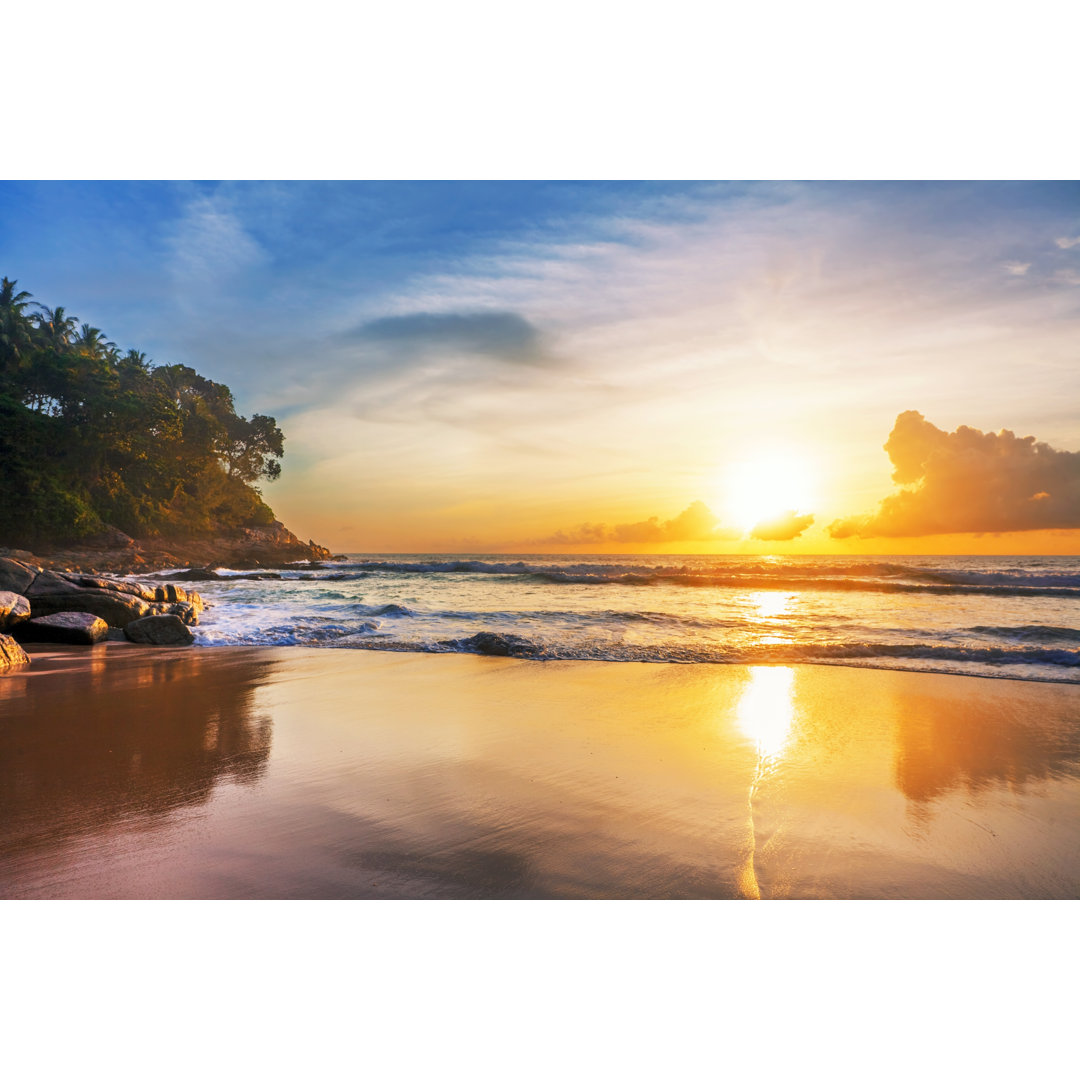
{"x": 55, "y": 326}
{"x": 14, "y": 324}
{"x": 91, "y": 342}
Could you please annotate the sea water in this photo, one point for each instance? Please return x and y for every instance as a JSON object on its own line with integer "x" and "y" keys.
{"x": 1009, "y": 617}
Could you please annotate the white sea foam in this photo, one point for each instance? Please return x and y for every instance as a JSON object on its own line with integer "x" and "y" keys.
{"x": 1019, "y": 618}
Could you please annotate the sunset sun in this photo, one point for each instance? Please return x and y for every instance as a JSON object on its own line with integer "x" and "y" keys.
{"x": 764, "y": 487}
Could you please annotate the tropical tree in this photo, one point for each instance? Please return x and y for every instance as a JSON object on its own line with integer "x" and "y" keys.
{"x": 15, "y": 325}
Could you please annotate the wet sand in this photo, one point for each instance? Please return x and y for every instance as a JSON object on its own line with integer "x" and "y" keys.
{"x": 137, "y": 772}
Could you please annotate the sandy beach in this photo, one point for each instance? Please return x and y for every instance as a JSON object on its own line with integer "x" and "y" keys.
{"x": 133, "y": 772}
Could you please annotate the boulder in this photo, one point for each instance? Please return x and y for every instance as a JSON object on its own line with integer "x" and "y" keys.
{"x": 199, "y": 574}
{"x": 186, "y": 613}
{"x": 13, "y": 608}
{"x": 159, "y": 630}
{"x": 135, "y": 588}
{"x": 65, "y": 628}
{"x": 109, "y": 537}
{"x": 16, "y": 576}
{"x": 50, "y": 581}
{"x": 490, "y": 644}
{"x": 117, "y": 609}
{"x": 11, "y": 653}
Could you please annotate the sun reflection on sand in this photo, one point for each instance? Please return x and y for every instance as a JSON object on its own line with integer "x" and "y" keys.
{"x": 765, "y": 711}
{"x": 764, "y": 714}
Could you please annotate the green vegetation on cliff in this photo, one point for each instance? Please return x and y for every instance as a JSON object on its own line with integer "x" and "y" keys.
{"x": 91, "y": 437}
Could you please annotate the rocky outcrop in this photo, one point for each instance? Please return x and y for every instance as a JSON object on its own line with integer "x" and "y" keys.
{"x": 12, "y": 654}
{"x": 159, "y": 630}
{"x": 116, "y": 553}
{"x": 33, "y": 610}
{"x": 13, "y": 609}
{"x": 57, "y": 594}
{"x": 65, "y": 628}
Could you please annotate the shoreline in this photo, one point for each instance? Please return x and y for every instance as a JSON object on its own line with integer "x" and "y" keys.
{"x": 38, "y": 648}
{"x": 290, "y": 772}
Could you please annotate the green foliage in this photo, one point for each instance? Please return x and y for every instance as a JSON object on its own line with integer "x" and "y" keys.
{"x": 90, "y": 437}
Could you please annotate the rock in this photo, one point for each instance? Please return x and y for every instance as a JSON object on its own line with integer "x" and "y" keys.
{"x": 159, "y": 630}
{"x": 109, "y": 537}
{"x": 135, "y": 588}
{"x": 11, "y": 653}
{"x": 198, "y": 574}
{"x": 495, "y": 644}
{"x": 65, "y": 628}
{"x": 16, "y": 576}
{"x": 51, "y": 581}
{"x": 116, "y": 608}
{"x": 186, "y": 613}
{"x": 13, "y": 609}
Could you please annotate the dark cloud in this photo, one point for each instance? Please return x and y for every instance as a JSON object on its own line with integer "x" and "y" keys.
{"x": 785, "y": 526}
{"x": 502, "y": 335}
{"x": 696, "y": 522}
{"x": 971, "y": 481}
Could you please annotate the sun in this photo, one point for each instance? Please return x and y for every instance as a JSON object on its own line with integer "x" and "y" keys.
{"x": 764, "y": 486}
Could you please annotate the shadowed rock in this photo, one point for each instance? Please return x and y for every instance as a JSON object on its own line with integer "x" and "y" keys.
{"x": 65, "y": 628}
{"x": 16, "y": 576}
{"x": 490, "y": 644}
{"x": 197, "y": 574}
{"x": 159, "y": 630}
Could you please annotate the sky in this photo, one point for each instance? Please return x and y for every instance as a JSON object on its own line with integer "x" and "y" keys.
{"x": 674, "y": 367}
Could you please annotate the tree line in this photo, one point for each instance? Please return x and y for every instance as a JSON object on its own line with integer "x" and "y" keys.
{"x": 92, "y": 437}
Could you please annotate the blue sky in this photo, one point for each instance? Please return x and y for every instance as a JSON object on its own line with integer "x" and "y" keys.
{"x": 485, "y": 364}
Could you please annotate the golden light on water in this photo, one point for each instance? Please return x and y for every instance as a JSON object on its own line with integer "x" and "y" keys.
{"x": 766, "y": 710}
{"x": 771, "y": 604}
{"x": 768, "y": 608}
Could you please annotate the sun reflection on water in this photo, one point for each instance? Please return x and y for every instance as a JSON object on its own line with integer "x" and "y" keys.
{"x": 767, "y": 618}
{"x": 770, "y": 605}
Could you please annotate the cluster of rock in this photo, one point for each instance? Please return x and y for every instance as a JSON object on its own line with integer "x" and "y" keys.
{"x": 72, "y": 608}
{"x": 115, "y": 552}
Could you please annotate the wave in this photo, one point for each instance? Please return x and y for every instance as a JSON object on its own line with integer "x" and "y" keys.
{"x": 843, "y": 577}
{"x": 1029, "y": 633}
{"x": 766, "y": 653}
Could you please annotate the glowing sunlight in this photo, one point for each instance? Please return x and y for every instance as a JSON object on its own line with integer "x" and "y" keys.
{"x": 764, "y": 487}
{"x": 765, "y": 711}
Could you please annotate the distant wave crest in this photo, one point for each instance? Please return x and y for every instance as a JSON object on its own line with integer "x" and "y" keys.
{"x": 841, "y": 577}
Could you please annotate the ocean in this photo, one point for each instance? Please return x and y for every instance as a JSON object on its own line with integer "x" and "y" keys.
{"x": 1004, "y": 617}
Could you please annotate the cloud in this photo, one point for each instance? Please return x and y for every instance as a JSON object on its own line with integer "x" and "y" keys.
{"x": 969, "y": 481}
{"x": 1017, "y": 269}
{"x": 785, "y": 526}
{"x": 503, "y": 335}
{"x": 210, "y": 246}
{"x": 1066, "y": 242}
{"x": 696, "y": 522}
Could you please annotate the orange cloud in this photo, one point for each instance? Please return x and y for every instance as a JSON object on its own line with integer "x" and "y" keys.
{"x": 970, "y": 481}
{"x": 696, "y": 522}
{"x": 785, "y": 526}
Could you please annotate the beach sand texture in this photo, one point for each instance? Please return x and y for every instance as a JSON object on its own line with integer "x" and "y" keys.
{"x": 304, "y": 773}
